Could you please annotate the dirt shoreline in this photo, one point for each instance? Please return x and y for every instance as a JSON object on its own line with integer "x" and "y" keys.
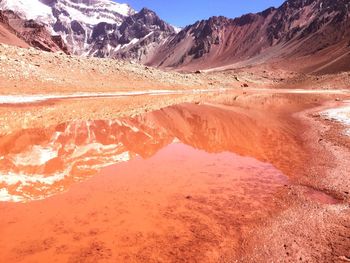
{"x": 315, "y": 227}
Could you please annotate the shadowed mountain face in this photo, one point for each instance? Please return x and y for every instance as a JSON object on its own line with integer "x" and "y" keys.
{"x": 137, "y": 38}
{"x": 297, "y": 29}
{"x": 37, "y": 163}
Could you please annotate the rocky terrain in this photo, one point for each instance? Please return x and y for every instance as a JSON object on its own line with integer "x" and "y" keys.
{"x": 305, "y": 36}
{"x": 31, "y": 71}
{"x": 137, "y": 38}
{"x": 25, "y": 33}
{"x": 99, "y": 28}
{"x": 314, "y": 32}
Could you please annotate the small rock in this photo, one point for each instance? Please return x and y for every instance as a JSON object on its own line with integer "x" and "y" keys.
{"x": 344, "y": 258}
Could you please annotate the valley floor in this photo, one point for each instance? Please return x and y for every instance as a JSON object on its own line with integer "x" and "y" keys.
{"x": 309, "y": 219}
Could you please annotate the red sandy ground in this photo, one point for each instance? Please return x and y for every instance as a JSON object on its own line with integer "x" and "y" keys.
{"x": 184, "y": 205}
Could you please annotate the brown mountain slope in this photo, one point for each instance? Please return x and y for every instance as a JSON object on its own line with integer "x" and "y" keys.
{"x": 8, "y": 36}
{"x": 311, "y": 35}
{"x": 25, "y": 33}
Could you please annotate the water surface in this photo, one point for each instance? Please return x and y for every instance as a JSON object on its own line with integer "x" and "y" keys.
{"x": 183, "y": 183}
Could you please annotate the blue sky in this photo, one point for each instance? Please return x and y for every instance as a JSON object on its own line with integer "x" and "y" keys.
{"x": 185, "y": 12}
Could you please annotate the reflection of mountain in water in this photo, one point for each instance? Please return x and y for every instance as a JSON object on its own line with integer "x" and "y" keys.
{"x": 37, "y": 163}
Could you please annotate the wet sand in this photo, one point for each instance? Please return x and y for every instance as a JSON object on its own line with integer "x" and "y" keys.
{"x": 241, "y": 178}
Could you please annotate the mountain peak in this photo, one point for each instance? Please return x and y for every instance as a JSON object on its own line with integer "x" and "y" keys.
{"x": 104, "y": 28}
{"x": 101, "y": 28}
{"x": 297, "y": 29}
{"x": 146, "y": 10}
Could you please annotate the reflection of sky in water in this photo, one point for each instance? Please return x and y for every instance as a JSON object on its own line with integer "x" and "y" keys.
{"x": 22, "y": 99}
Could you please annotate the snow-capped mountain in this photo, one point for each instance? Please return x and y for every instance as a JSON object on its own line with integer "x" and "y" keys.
{"x": 90, "y": 12}
{"x": 313, "y": 31}
{"x": 29, "y": 9}
{"x": 135, "y": 39}
{"x": 100, "y": 28}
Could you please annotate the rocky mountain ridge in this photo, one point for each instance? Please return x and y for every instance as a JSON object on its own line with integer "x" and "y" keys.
{"x": 136, "y": 38}
{"x": 100, "y": 28}
{"x": 296, "y": 29}
{"x": 30, "y": 32}
{"x": 306, "y": 35}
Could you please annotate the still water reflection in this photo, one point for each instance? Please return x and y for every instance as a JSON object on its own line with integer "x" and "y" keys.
{"x": 189, "y": 183}
{"x": 38, "y": 163}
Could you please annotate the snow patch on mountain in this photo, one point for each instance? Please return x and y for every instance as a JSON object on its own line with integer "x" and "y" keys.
{"x": 95, "y": 12}
{"x": 89, "y": 12}
{"x": 177, "y": 29}
{"x": 29, "y": 9}
{"x": 123, "y": 9}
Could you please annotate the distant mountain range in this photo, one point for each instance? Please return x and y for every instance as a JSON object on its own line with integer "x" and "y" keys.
{"x": 306, "y": 35}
